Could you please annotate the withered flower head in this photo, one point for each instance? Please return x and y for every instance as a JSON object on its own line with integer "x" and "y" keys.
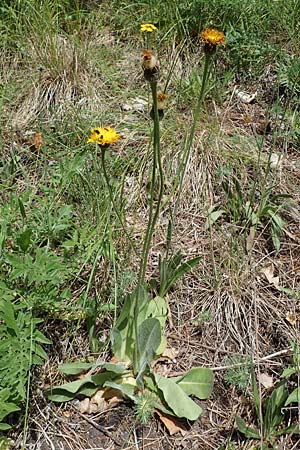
{"x": 103, "y": 136}
{"x": 161, "y": 100}
{"x": 161, "y": 104}
{"x": 150, "y": 65}
{"x": 149, "y": 60}
{"x": 213, "y": 37}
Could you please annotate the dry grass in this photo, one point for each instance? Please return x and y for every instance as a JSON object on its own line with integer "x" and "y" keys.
{"x": 248, "y": 313}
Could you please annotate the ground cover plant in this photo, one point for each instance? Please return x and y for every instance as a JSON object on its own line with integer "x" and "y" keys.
{"x": 159, "y": 251}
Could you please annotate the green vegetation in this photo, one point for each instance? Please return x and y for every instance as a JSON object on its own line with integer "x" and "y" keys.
{"x": 133, "y": 268}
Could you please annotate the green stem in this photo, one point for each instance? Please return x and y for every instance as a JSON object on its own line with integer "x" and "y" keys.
{"x": 158, "y": 156}
{"x": 111, "y": 196}
{"x": 188, "y": 143}
{"x": 156, "y": 161}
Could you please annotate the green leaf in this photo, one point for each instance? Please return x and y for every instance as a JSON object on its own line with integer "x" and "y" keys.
{"x": 294, "y": 397}
{"x": 149, "y": 337}
{"x": 273, "y": 408}
{"x": 7, "y": 408}
{"x": 118, "y": 368}
{"x": 39, "y": 337}
{"x": 123, "y": 335}
{"x": 9, "y": 315}
{"x": 22, "y": 209}
{"x": 198, "y": 381}
{"x": 68, "y": 391}
{"x": 4, "y": 427}
{"x": 288, "y": 372}
{"x": 248, "y": 432}
{"x": 256, "y": 395}
{"x": 295, "y": 429}
{"x": 76, "y": 368}
{"x": 213, "y": 216}
{"x": 178, "y": 273}
{"x": 126, "y": 389}
{"x": 177, "y": 399}
{"x": 158, "y": 309}
{"x": 24, "y": 239}
{"x": 73, "y": 386}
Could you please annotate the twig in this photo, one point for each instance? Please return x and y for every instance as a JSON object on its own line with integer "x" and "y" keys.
{"x": 255, "y": 361}
{"x": 232, "y": 366}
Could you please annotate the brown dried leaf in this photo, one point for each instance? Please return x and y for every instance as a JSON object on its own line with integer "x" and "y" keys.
{"x": 170, "y": 353}
{"x": 266, "y": 380}
{"x": 38, "y": 140}
{"x": 269, "y": 274}
{"x": 114, "y": 401}
{"x": 95, "y": 404}
{"x": 85, "y": 406}
{"x": 172, "y": 424}
{"x": 292, "y": 318}
{"x": 250, "y": 239}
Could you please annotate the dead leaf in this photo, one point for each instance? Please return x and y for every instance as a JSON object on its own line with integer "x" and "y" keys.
{"x": 38, "y": 140}
{"x": 250, "y": 239}
{"x": 266, "y": 380}
{"x": 292, "y": 318}
{"x": 95, "y": 404}
{"x": 172, "y": 424}
{"x": 246, "y": 98}
{"x": 84, "y": 406}
{"x": 114, "y": 401}
{"x": 275, "y": 161}
{"x": 170, "y": 353}
{"x": 269, "y": 274}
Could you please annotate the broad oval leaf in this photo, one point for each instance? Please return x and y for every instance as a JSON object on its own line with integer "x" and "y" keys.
{"x": 76, "y": 368}
{"x": 177, "y": 399}
{"x": 126, "y": 389}
{"x": 68, "y": 391}
{"x": 198, "y": 381}
{"x": 149, "y": 337}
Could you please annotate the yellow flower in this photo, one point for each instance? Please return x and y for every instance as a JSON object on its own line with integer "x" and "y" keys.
{"x": 103, "y": 136}
{"x": 148, "y": 27}
{"x": 213, "y": 37}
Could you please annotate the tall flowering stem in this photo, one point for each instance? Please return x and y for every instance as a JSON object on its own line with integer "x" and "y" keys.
{"x": 103, "y": 137}
{"x": 211, "y": 38}
{"x": 156, "y": 163}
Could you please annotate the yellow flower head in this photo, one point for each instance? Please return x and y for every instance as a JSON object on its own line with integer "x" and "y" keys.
{"x": 213, "y": 37}
{"x": 103, "y": 136}
{"x": 148, "y": 27}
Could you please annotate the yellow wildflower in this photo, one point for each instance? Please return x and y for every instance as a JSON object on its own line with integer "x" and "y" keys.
{"x": 213, "y": 37}
{"x": 148, "y": 27}
{"x": 103, "y": 136}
